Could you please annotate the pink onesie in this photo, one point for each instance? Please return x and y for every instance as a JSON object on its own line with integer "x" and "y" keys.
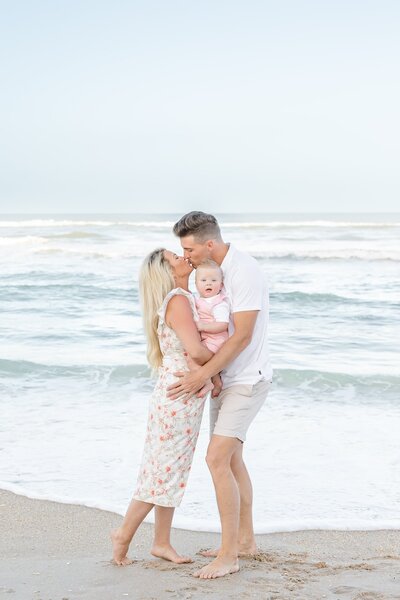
{"x": 205, "y": 308}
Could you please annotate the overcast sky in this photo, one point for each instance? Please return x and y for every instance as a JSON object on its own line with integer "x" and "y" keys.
{"x": 212, "y": 105}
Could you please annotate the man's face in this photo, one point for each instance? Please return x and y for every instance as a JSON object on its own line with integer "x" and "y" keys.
{"x": 194, "y": 252}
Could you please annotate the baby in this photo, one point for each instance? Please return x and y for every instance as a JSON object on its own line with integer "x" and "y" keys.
{"x": 212, "y": 305}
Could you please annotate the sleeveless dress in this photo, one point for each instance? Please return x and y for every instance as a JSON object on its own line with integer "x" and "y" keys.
{"x": 173, "y": 425}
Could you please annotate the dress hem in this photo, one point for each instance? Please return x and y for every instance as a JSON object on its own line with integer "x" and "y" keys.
{"x": 152, "y": 500}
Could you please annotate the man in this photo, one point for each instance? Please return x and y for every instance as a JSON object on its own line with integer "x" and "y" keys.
{"x": 246, "y": 376}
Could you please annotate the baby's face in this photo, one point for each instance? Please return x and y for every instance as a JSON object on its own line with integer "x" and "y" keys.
{"x": 208, "y": 282}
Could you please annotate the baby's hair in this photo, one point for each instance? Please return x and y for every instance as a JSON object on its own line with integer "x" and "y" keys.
{"x": 207, "y": 263}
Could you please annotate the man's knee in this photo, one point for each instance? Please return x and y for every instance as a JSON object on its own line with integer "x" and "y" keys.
{"x": 219, "y": 455}
{"x": 215, "y": 461}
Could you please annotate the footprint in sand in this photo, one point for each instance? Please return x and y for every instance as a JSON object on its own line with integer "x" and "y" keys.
{"x": 369, "y": 596}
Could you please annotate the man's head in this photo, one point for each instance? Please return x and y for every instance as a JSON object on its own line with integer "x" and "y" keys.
{"x": 199, "y": 234}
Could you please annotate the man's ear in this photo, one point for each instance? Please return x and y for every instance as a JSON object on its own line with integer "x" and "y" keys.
{"x": 210, "y": 246}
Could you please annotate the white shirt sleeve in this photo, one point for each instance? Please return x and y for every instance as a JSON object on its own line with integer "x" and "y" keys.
{"x": 247, "y": 289}
{"x": 221, "y": 312}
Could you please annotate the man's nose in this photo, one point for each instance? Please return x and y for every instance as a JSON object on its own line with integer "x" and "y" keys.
{"x": 186, "y": 254}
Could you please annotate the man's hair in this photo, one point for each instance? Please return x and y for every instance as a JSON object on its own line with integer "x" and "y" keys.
{"x": 202, "y": 226}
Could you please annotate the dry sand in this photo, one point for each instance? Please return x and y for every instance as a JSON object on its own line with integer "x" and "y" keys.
{"x": 52, "y": 551}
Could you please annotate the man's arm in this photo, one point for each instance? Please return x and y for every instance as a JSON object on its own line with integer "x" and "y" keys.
{"x": 191, "y": 383}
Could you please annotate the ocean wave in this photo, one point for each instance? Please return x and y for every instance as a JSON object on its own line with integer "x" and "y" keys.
{"x": 75, "y": 235}
{"x": 80, "y": 223}
{"x": 334, "y": 254}
{"x": 41, "y": 247}
{"x": 22, "y": 240}
{"x": 271, "y": 224}
{"x": 327, "y": 381}
{"x": 71, "y": 289}
{"x": 311, "y": 224}
{"x": 305, "y": 379}
{"x": 116, "y": 373}
{"x": 321, "y": 298}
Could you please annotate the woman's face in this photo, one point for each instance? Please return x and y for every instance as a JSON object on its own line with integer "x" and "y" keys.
{"x": 180, "y": 266}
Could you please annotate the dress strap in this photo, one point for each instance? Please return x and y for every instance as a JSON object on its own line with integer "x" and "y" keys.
{"x": 177, "y": 292}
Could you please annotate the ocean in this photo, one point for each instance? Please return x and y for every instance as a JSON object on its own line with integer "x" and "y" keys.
{"x": 324, "y": 451}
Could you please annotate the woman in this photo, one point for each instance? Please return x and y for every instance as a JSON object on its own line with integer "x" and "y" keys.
{"x": 173, "y": 425}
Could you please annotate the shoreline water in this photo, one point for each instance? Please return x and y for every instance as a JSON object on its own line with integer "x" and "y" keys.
{"x": 205, "y": 526}
{"x": 323, "y": 451}
{"x": 63, "y": 551}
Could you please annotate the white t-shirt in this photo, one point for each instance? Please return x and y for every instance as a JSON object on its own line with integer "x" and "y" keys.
{"x": 246, "y": 288}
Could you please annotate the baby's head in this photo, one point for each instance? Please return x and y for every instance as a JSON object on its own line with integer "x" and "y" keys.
{"x": 208, "y": 278}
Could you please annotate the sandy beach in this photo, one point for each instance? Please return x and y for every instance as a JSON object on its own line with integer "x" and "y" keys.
{"x": 53, "y": 551}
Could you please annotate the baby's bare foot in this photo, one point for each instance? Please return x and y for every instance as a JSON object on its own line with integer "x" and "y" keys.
{"x": 120, "y": 548}
{"x": 167, "y": 552}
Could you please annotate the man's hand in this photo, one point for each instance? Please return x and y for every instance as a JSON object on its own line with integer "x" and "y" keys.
{"x": 188, "y": 384}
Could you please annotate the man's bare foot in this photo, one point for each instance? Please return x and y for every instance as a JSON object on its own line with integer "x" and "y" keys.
{"x": 120, "y": 548}
{"x": 219, "y": 567}
{"x": 167, "y": 552}
{"x": 243, "y": 551}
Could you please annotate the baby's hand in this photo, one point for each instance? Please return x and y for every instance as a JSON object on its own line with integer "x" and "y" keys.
{"x": 217, "y": 382}
{"x": 199, "y": 325}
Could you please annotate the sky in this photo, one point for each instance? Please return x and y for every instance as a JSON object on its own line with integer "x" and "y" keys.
{"x": 224, "y": 106}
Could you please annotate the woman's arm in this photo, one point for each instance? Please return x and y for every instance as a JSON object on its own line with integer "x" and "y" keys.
{"x": 179, "y": 317}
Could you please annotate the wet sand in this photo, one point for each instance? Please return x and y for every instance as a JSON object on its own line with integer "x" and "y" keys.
{"x": 52, "y": 551}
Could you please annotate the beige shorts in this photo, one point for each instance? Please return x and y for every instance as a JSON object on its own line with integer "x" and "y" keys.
{"x": 232, "y": 412}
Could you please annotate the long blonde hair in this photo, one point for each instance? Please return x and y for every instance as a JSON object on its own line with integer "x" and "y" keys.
{"x": 155, "y": 281}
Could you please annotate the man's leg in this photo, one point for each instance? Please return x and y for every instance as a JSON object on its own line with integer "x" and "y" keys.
{"x": 246, "y": 540}
{"x": 219, "y": 455}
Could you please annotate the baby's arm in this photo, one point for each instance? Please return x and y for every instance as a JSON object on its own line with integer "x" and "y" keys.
{"x": 212, "y": 327}
{"x": 221, "y": 319}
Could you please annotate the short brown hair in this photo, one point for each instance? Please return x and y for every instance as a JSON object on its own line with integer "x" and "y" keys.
{"x": 199, "y": 224}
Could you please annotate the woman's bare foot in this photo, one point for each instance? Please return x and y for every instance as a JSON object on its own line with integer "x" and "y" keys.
{"x": 167, "y": 552}
{"x": 219, "y": 567}
{"x": 243, "y": 551}
{"x": 120, "y": 548}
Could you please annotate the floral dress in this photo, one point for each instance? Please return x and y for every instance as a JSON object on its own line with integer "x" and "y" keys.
{"x": 173, "y": 425}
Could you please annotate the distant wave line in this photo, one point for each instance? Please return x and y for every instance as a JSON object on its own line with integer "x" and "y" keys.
{"x": 306, "y": 378}
{"x": 227, "y": 224}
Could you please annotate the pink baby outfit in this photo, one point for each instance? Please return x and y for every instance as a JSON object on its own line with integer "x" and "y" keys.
{"x": 213, "y": 310}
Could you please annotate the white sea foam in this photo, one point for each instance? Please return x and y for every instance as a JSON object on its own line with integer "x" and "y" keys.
{"x": 25, "y": 240}
{"x": 263, "y": 223}
{"x": 348, "y": 481}
{"x": 324, "y": 450}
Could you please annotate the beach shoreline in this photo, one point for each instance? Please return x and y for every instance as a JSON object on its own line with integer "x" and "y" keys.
{"x": 62, "y": 551}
